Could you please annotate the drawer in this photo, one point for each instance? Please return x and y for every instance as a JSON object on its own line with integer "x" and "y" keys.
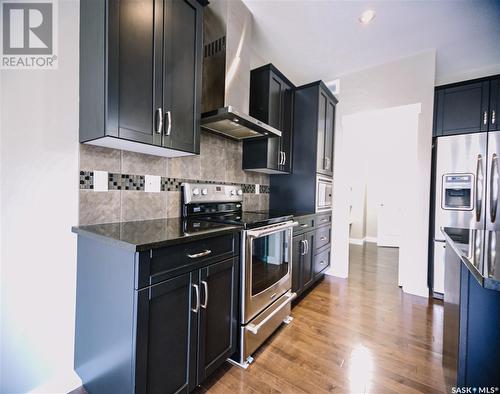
{"x": 305, "y": 224}
{"x": 321, "y": 262}
{"x": 322, "y": 236}
{"x": 323, "y": 219}
{"x": 164, "y": 263}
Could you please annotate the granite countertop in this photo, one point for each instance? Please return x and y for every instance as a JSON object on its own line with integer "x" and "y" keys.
{"x": 479, "y": 250}
{"x": 149, "y": 234}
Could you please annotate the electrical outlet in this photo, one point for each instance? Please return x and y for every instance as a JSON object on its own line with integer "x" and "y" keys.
{"x": 152, "y": 183}
{"x": 100, "y": 181}
{"x": 257, "y": 188}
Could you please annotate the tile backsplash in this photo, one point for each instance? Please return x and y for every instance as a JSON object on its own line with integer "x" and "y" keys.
{"x": 219, "y": 161}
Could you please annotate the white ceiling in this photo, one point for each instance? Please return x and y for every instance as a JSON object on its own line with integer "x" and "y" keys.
{"x": 321, "y": 39}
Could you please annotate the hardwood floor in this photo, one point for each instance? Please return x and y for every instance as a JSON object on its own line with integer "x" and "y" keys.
{"x": 356, "y": 335}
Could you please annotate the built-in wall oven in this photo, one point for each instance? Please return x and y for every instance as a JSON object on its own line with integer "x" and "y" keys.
{"x": 324, "y": 190}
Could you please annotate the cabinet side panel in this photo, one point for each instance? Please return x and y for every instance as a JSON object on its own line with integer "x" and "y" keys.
{"x": 104, "y": 317}
{"x": 92, "y": 69}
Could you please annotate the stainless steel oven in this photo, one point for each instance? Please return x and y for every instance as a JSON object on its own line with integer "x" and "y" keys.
{"x": 266, "y": 268}
{"x": 324, "y": 190}
{"x": 266, "y": 284}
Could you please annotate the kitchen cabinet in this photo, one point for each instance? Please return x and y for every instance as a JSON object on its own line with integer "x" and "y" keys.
{"x": 313, "y": 147}
{"x": 271, "y": 101}
{"x": 463, "y": 108}
{"x": 326, "y": 125}
{"x": 155, "y": 321}
{"x": 140, "y": 75}
{"x": 310, "y": 257}
{"x": 494, "y": 104}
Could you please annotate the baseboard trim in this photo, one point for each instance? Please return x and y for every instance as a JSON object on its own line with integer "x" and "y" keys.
{"x": 371, "y": 239}
{"x": 357, "y": 241}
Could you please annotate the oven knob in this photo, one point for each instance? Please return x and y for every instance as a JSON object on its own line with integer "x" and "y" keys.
{"x": 240, "y": 192}
{"x": 196, "y": 191}
{"x": 233, "y": 192}
{"x": 204, "y": 192}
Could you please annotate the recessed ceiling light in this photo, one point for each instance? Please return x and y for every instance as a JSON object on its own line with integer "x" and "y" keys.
{"x": 366, "y": 17}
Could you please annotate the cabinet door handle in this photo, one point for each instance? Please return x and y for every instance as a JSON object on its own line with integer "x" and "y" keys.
{"x": 322, "y": 262}
{"x": 169, "y": 127}
{"x": 307, "y": 246}
{"x": 303, "y": 251}
{"x": 485, "y": 117}
{"x": 201, "y": 254}
{"x": 197, "y": 291}
{"x": 205, "y": 287}
{"x": 493, "y": 117}
{"x": 327, "y": 163}
{"x": 159, "y": 121}
{"x": 284, "y": 158}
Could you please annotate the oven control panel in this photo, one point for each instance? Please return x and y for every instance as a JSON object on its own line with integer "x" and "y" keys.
{"x": 211, "y": 192}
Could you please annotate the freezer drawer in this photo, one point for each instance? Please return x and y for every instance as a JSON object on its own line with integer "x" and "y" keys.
{"x": 439, "y": 255}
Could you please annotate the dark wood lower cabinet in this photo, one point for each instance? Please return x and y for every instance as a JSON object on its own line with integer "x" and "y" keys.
{"x": 186, "y": 328}
{"x": 218, "y": 316}
{"x": 310, "y": 258}
{"x": 166, "y": 337}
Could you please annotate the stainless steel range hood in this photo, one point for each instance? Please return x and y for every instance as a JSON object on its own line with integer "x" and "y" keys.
{"x": 226, "y": 72}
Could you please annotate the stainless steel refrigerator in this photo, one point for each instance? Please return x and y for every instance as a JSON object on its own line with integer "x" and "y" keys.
{"x": 466, "y": 190}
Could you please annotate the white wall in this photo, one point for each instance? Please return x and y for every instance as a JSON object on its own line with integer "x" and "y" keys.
{"x": 39, "y": 204}
{"x": 403, "y": 82}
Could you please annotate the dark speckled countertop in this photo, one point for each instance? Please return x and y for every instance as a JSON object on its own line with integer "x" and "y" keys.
{"x": 479, "y": 250}
{"x": 150, "y": 234}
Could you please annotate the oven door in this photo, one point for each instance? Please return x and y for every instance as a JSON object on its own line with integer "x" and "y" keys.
{"x": 324, "y": 187}
{"x": 266, "y": 267}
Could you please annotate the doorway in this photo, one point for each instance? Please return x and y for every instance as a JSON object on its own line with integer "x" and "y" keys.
{"x": 380, "y": 151}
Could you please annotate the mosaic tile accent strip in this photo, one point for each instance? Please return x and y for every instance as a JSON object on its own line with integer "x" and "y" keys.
{"x": 86, "y": 180}
{"x": 265, "y": 189}
{"x": 117, "y": 181}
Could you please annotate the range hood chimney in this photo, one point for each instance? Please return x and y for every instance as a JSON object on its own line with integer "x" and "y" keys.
{"x": 227, "y": 33}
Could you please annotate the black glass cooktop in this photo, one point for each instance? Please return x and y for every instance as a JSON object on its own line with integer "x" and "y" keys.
{"x": 249, "y": 219}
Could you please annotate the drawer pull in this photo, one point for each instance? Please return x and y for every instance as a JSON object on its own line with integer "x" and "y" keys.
{"x": 322, "y": 262}
{"x": 323, "y": 238}
{"x": 304, "y": 225}
{"x": 324, "y": 219}
{"x": 201, "y": 254}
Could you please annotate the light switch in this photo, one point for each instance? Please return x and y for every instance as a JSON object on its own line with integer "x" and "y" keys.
{"x": 100, "y": 181}
{"x": 257, "y": 188}
{"x": 152, "y": 183}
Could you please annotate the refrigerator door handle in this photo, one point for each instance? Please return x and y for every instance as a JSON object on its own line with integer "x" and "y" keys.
{"x": 479, "y": 187}
{"x": 494, "y": 187}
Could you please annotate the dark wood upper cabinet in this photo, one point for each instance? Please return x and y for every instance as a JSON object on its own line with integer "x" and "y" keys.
{"x": 326, "y": 127}
{"x": 494, "y": 104}
{"x": 313, "y": 148}
{"x": 462, "y": 108}
{"x": 140, "y": 74}
{"x": 271, "y": 101}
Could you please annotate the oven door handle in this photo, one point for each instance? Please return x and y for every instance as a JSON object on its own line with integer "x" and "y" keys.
{"x": 254, "y": 329}
{"x": 271, "y": 229}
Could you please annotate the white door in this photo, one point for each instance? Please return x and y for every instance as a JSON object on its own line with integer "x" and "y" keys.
{"x": 389, "y": 220}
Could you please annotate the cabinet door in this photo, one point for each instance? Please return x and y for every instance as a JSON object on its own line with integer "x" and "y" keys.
{"x": 182, "y": 74}
{"x": 297, "y": 249}
{"x": 135, "y": 52}
{"x": 166, "y": 336}
{"x": 308, "y": 260}
{"x": 329, "y": 137}
{"x": 462, "y": 109}
{"x": 286, "y": 130}
{"x": 218, "y": 315}
{"x": 494, "y": 104}
{"x": 322, "y": 126}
